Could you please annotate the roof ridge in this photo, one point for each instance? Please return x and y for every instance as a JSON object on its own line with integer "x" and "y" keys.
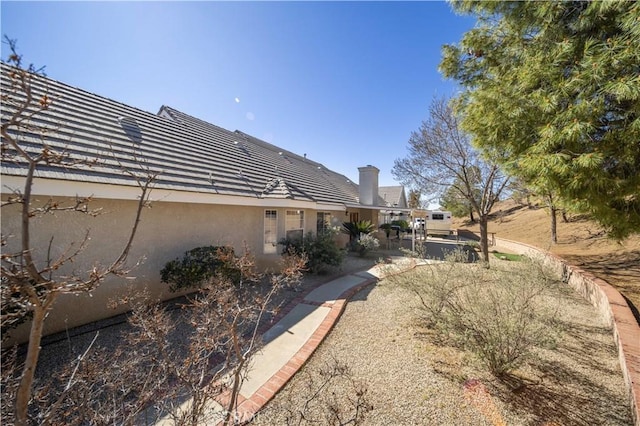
{"x": 61, "y": 83}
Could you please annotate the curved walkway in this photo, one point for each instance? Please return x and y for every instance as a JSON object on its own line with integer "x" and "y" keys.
{"x": 306, "y": 321}
{"x": 289, "y": 343}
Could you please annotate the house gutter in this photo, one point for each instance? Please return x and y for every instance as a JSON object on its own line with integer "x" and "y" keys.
{"x": 68, "y": 188}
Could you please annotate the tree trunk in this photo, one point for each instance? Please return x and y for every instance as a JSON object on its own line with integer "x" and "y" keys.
{"x": 23, "y": 395}
{"x": 554, "y": 224}
{"x": 237, "y": 375}
{"x": 484, "y": 238}
{"x": 471, "y": 215}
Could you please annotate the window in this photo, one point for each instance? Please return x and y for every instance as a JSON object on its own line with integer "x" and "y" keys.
{"x": 353, "y": 217}
{"x": 270, "y": 231}
{"x": 323, "y": 222}
{"x": 294, "y": 224}
{"x": 437, "y": 216}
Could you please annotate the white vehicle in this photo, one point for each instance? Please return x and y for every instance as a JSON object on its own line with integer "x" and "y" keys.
{"x": 417, "y": 223}
{"x": 434, "y": 222}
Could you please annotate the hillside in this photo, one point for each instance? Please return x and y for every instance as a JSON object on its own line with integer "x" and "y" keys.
{"x": 581, "y": 242}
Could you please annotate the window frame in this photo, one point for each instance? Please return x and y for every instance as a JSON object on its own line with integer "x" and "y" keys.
{"x": 270, "y": 235}
{"x": 323, "y": 222}
{"x": 294, "y": 224}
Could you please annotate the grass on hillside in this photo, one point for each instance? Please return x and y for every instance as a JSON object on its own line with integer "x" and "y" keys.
{"x": 581, "y": 242}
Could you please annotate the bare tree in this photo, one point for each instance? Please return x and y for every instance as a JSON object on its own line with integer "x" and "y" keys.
{"x": 34, "y": 277}
{"x": 526, "y": 188}
{"x": 441, "y": 156}
{"x": 172, "y": 366}
{"x": 225, "y": 318}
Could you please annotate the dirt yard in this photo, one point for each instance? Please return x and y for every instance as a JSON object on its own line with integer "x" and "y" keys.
{"x": 581, "y": 242}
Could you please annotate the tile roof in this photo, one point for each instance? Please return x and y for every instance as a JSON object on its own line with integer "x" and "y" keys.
{"x": 392, "y": 195}
{"x": 188, "y": 153}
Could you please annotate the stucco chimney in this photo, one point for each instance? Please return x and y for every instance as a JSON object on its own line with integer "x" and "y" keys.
{"x": 368, "y": 185}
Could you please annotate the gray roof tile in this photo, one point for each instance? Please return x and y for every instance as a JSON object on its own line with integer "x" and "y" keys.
{"x": 189, "y": 153}
{"x": 392, "y": 195}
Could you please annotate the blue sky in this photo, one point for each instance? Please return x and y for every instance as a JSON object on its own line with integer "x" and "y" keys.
{"x": 343, "y": 82}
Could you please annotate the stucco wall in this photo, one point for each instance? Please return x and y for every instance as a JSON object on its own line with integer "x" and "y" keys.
{"x": 166, "y": 231}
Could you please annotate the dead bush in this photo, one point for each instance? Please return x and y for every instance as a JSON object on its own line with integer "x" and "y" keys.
{"x": 329, "y": 395}
{"x": 500, "y": 314}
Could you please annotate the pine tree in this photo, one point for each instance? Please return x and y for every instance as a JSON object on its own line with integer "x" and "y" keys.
{"x": 457, "y": 203}
{"x": 553, "y": 91}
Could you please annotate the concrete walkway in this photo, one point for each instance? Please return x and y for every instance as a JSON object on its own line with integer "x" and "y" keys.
{"x": 293, "y": 339}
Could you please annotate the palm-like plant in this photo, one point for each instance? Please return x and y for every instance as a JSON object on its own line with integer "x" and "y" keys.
{"x": 354, "y": 229}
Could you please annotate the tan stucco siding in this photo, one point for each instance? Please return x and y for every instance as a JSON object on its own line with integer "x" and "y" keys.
{"x": 165, "y": 232}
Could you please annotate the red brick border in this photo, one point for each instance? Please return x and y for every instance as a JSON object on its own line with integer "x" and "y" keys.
{"x": 267, "y": 391}
{"x": 613, "y": 307}
{"x": 249, "y": 407}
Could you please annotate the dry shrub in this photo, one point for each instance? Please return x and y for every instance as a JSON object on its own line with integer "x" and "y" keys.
{"x": 329, "y": 395}
{"x": 500, "y": 314}
{"x": 169, "y": 365}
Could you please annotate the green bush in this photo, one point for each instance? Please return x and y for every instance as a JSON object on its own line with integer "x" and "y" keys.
{"x": 403, "y": 224}
{"x": 198, "y": 266}
{"x": 354, "y": 229}
{"x": 321, "y": 250}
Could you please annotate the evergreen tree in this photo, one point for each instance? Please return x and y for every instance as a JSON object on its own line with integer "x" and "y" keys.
{"x": 414, "y": 199}
{"x": 457, "y": 203}
{"x": 553, "y": 92}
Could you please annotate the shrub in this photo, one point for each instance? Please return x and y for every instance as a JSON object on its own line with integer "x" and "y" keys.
{"x": 402, "y": 224}
{"x": 354, "y": 229}
{"x": 198, "y": 266}
{"x": 365, "y": 243}
{"x": 321, "y": 250}
{"x": 500, "y": 315}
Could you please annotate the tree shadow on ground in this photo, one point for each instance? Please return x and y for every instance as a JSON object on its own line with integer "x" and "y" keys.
{"x": 621, "y": 270}
{"x": 363, "y": 294}
{"x": 551, "y": 402}
{"x": 562, "y": 385}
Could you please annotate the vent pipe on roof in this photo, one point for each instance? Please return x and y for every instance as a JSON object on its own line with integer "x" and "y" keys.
{"x": 368, "y": 186}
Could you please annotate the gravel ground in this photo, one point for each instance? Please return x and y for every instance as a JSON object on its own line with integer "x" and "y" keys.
{"x": 62, "y": 348}
{"x": 413, "y": 379}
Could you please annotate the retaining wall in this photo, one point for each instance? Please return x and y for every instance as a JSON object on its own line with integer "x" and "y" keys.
{"x": 611, "y": 305}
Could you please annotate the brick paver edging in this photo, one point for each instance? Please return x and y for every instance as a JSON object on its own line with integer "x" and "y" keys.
{"x": 611, "y": 305}
{"x": 249, "y": 407}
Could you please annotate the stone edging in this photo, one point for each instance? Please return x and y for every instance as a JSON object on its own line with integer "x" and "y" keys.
{"x": 249, "y": 407}
{"x": 610, "y": 304}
